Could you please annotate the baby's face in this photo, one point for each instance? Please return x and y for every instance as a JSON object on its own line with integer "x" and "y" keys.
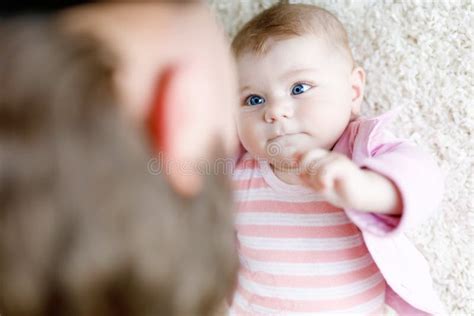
{"x": 296, "y": 97}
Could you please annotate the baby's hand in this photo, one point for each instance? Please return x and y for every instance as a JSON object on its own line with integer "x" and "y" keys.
{"x": 343, "y": 184}
{"x": 334, "y": 176}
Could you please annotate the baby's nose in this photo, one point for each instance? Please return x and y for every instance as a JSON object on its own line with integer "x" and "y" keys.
{"x": 278, "y": 111}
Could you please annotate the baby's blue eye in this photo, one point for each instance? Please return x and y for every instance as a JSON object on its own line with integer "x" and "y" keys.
{"x": 254, "y": 100}
{"x": 300, "y": 88}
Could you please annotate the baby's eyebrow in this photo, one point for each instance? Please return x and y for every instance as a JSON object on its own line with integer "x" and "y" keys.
{"x": 244, "y": 88}
{"x": 293, "y": 72}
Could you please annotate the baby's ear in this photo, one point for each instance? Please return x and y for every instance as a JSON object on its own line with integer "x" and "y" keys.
{"x": 358, "y": 85}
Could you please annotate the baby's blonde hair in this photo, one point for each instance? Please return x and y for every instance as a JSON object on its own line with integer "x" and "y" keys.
{"x": 283, "y": 21}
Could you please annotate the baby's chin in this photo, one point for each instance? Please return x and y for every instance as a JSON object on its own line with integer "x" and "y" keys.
{"x": 283, "y": 157}
{"x": 283, "y": 151}
{"x": 286, "y": 150}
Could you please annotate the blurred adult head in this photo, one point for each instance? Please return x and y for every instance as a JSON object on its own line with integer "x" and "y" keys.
{"x": 88, "y": 96}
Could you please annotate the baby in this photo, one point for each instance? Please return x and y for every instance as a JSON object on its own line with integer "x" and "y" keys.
{"x": 323, "y": 194}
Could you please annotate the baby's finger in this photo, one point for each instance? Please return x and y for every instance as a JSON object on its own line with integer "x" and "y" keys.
{"x": 334, "y": 168}
{"x": 328, "y": 173}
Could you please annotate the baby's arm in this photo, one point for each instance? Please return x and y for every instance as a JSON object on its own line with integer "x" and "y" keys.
{"x": 412, "y": 172}
{"x": 346, "y": 185}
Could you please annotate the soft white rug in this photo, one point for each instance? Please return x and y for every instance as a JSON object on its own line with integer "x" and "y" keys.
{"x": 418, "y": 55}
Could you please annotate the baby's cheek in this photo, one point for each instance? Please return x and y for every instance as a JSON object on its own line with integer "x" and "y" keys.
{"x": 312, "y": 108}
{"x": 325, "y": 123}
{"x": 312, "y": 116}
{"x": 250, "y": 137}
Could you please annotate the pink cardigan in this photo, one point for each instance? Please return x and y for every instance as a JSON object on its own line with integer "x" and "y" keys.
{"x": 419, "y": 180}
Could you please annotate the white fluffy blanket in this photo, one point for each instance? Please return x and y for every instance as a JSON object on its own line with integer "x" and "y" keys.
{"x": 418, "y": 55}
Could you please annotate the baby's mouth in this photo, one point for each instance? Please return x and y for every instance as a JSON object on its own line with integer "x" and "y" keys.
{"x": 284, "y": 136}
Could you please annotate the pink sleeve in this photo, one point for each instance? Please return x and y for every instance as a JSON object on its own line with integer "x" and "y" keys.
{"x": 418, "y": 179}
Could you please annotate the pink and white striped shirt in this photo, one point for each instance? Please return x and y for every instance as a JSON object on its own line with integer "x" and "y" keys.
{"x": 299, "y": 255}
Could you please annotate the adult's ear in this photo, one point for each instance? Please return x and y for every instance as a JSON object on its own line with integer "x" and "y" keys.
{"x": 358, "y": 85}
{"x": 176, "y": 130}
